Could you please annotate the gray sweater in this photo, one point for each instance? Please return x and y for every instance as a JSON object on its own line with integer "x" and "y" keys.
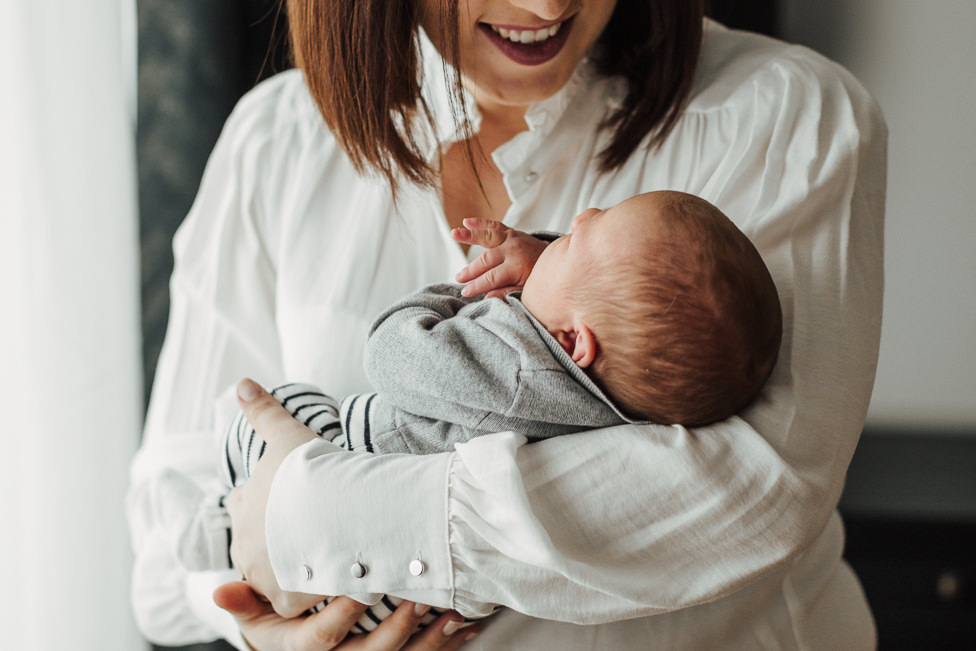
{"x": 448, "y": 368}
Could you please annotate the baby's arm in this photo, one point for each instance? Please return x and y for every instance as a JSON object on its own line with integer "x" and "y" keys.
{"x": 505, "y": 265}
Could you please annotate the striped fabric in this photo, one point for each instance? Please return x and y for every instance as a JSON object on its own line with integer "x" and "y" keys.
{"x": 380, "y": 611}
{"x": 347, "y": 425}
{"x": 242, "y": 445}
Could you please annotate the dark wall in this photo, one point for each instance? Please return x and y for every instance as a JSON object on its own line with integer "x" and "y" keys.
{"x": 753, "y": 15}
{"x": 196, "y": 58}
{"x": 910, "y": 510}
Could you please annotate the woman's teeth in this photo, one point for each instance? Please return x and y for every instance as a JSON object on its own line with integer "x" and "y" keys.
{"x": 526, "y": 35}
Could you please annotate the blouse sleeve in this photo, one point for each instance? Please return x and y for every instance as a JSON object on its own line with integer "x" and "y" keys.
{"x": 221, "y": 328}
{"x": 637, "y": 520}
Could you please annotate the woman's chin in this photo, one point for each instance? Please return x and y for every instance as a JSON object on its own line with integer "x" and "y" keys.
{"x": 520, "y": 92}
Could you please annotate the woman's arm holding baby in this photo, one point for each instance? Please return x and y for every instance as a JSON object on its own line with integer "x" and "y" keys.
{"x": 250, "y": 602}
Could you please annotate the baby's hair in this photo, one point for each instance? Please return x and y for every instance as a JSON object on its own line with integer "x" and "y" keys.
{"x": 689, "y": 332}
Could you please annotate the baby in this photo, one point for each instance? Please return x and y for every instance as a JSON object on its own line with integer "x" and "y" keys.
{"x": 655, "y": 310}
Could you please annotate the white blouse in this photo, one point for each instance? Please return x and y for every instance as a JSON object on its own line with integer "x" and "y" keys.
{"x": 633, "y": 537}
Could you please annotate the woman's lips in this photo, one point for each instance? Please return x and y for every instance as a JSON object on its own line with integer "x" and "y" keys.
{"x": 533, "y": 53}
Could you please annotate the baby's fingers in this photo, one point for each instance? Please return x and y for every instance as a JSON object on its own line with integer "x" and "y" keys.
{"x": 481, "y": 232}
{"x": 482, "y": 264}
{"x": 493, "y": 283}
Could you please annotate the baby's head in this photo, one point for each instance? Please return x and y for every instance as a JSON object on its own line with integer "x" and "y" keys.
{"x": 666, "y": 305}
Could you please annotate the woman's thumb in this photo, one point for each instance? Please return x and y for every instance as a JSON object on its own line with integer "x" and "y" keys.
{"x": 239, "y": 600}
{"x": 248, "y": 390}
{"x": 261, "y": 409}
{"x": 270, "y": 419}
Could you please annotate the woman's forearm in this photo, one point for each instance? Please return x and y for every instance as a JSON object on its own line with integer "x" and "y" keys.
{"x": 584, "y": 528}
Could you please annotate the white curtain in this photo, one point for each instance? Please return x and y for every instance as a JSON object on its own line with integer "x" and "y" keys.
{"x": 70, "y": 399}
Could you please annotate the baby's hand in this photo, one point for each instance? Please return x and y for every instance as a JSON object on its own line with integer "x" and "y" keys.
{"x": 504, "y": 267}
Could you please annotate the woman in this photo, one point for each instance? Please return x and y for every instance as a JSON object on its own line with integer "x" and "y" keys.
{"x": 652, "y": 537}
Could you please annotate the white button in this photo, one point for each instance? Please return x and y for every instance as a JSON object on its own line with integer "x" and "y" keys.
{"x": 308, "y": 572}
{"x": 358, "y": 570}
{"x": 531, "y": 177}
{"x": 417, "y": 567}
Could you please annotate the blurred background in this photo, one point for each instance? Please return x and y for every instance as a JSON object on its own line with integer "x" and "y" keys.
{"x": 109, "y": 111}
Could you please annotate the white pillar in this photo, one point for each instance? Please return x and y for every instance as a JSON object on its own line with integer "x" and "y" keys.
{"x": 70, "y": 394}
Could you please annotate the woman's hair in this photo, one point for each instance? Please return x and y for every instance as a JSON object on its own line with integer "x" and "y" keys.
{"x": 689, "y": 332}
{"x": 362, "y": 65}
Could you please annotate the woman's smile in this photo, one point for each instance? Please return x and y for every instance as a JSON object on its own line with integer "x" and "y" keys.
{"x": 518, "y": 35}
{"x": 529, "y": 46}
{"x": 513, "y": 53}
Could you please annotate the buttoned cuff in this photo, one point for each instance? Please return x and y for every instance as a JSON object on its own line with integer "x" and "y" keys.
{"x": 361, "y": 524}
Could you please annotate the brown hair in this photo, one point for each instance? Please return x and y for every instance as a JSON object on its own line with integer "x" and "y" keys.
{"x": 362, "y": 67}
{"x": 690, "y": 332}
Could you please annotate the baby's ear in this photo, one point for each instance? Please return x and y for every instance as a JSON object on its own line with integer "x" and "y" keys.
{"x": 584, "y": 346}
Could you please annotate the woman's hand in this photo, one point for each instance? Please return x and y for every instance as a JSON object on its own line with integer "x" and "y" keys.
{"x": 506, "y": 264}
{"x": 261, "y": 608}
{"x": 329, "y": 628}
{"x": 247, "y": 503}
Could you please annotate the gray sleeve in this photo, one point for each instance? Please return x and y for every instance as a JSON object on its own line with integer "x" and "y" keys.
{"x": 448, "y": 369}
{"x": 371, "y": 424}
{"x": 430, "y": 357}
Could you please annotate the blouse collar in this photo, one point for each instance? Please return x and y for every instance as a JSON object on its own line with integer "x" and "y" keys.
{"x": 439, "y": 80}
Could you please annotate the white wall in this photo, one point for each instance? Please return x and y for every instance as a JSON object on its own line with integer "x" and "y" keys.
{"x": 919, "y": 60}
